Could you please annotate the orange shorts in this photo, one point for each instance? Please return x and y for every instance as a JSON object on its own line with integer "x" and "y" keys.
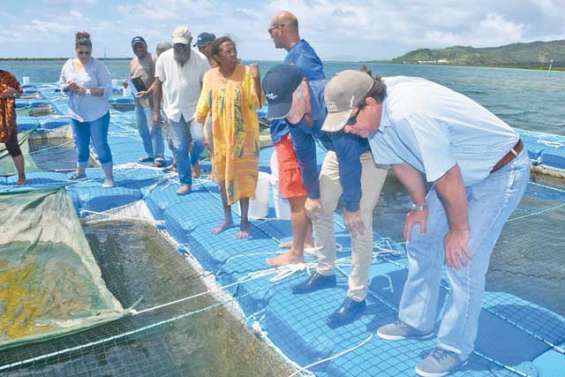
{"x": 291, "y": 184}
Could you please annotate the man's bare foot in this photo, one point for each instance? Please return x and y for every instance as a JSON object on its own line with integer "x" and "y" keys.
{"x": 286, "y": 258}
{"x": 288, "y": 245}
{"x": 220, "y": 228}
{"x": 21, "y": 181}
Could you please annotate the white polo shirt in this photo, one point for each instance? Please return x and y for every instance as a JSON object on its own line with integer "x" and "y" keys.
{"x": 181, "y": 84}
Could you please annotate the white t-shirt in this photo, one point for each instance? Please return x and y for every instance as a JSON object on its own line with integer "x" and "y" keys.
{"x": 181, "y": 84}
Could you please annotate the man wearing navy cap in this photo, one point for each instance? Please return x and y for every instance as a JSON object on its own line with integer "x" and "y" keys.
{"x": 348, "y": 172}
{"x": 141, "y": 78}
{"x": 204, "y": 44}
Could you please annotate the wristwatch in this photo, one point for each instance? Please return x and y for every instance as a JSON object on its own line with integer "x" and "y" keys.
{"x": 418, "y": 208}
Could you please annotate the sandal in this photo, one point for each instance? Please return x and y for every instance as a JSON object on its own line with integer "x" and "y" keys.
{"x": 75, "y": 176}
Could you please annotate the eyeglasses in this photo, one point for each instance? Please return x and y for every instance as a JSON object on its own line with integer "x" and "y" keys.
{"x": 83, "y": 52}
{"x": 275, "y": 26}
{"x": 353, "y": 119}
{"x": 182, "y": 46}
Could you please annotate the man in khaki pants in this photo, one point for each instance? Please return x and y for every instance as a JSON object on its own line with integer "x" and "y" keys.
{"x": 348, "y": 171}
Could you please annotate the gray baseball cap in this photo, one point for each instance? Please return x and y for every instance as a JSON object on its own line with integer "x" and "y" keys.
{"x": 343, "y": 93}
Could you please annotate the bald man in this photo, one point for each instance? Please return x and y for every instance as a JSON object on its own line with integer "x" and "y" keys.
{"x": 297, "y": 182}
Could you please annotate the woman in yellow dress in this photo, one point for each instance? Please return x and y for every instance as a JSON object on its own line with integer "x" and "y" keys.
{"x": 232, "y": 93}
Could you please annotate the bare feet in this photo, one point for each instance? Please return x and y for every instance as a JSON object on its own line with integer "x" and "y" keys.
{"x": 288, "y": 245}
{"x": 244, "y": 231}
{"x": 108, "y": 183}
{"x": 21, "y": 181}
{"x": 195, "y": 170}
{"x": 286, "y": 258}
{"x": 220, "y": 228}
{"x": 183, "y": 190}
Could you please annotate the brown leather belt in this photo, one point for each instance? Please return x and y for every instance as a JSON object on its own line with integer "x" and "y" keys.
{"x": 514, "y": 152}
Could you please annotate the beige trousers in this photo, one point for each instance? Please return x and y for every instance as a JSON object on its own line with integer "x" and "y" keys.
{"x": 372, "y": 180}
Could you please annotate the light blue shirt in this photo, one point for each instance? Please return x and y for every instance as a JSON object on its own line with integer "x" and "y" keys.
{"x": 87, "y": 108}
{"x": 432, "y": 128}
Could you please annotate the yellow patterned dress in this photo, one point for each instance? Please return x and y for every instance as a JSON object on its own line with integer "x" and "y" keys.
{"x": 232, "y": 103}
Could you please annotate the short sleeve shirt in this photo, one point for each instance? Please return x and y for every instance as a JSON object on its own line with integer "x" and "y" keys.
{"x": 181, "y": 84}
{"x": 432, "y": 128}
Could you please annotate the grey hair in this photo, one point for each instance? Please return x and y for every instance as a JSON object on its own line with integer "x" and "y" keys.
{"x": 163, "y": 46}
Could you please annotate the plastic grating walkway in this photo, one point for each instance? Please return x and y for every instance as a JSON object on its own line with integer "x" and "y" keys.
{"x": 516, "y": 337}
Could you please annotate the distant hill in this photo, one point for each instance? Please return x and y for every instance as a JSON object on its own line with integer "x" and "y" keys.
{"x": 524, "y": 55}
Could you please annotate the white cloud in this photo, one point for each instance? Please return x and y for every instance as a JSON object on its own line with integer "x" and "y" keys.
{"x": 361, "y": 29}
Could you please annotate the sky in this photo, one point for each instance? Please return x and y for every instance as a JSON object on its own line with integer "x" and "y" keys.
{"x": 338, "y": 30}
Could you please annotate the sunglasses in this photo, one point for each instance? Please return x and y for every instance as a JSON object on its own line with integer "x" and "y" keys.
{"x": 353, "y": 119}
{"x": 276, "y": 26}
{"x": 83, "y": 52}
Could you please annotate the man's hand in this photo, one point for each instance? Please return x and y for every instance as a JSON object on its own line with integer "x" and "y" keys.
{"x": 142, "y": 94}
{"x": 313, "y": 208}
{"x": 254, "y": 69}
{"x": 457, "y": 253}
{"x": 9, "y": 92}
{"x": 354, "y": 222}
{"x": 156, "y": 119}
{"x": 415, "y": 217}
{"x": 97, "y": 92}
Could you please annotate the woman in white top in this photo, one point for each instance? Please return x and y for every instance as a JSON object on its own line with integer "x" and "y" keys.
{"x": 88, "y": 84}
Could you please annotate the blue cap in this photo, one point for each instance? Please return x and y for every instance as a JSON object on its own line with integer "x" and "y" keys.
{"x": 204, "y": 38}
{"x": 279, "y": 84}
{"x": 137, "y": 40}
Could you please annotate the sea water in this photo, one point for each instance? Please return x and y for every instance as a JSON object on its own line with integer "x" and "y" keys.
{"x": 527, "y": 99}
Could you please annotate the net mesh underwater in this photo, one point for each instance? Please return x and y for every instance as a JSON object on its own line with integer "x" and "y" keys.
{"x": 196, "y": 332}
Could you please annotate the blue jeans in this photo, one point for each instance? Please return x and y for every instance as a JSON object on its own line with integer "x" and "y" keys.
{"x": 197, "y": 133}
{"x": 490, "y": 202}
{"x": 181, "y": 136}
{"x": 97, "y": 130}
{"x": 151, "y": 136}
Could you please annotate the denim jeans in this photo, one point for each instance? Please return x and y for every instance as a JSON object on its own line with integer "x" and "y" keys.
{"x": 97, "y": 130}
{"x": 182, "y": 134}
{"x": 197, "y": 133}
{"x": 490, "y": 203}
{"x": 151, "y": 136}
{"x": 168, "y": 135}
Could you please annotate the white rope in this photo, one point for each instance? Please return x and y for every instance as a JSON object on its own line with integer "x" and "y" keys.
{"x": 52, "y": 147}
{"x": 536, "y": 213}
{"x": 116, "y": 337}
{"x": 333, "y": 357}
{"x": 546, "y": 186}
{"x": 280, "y": 274}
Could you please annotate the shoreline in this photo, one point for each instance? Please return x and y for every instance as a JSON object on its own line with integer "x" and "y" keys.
{"x": 529, "y": 67}
{"x": 51, "y": 59}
